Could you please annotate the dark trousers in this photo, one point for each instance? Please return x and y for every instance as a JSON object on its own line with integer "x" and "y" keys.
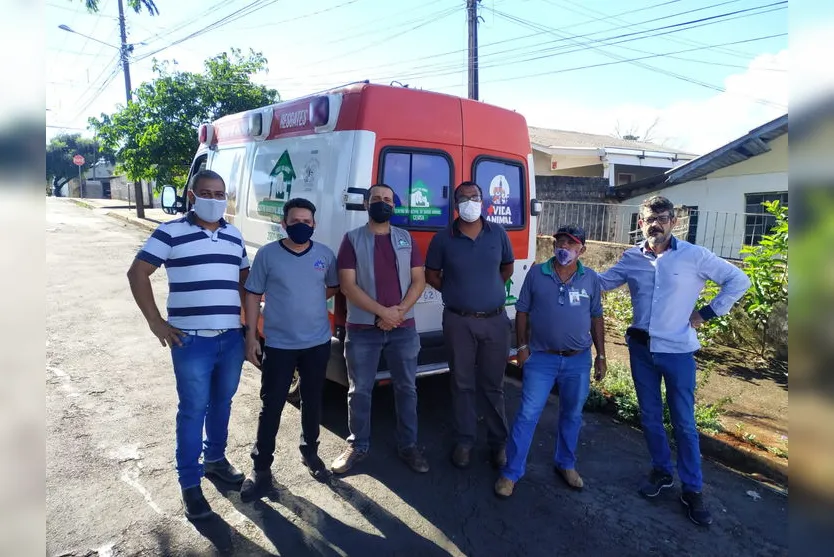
{"x": 276, "y": 376}
{"x": 479, "y": 348}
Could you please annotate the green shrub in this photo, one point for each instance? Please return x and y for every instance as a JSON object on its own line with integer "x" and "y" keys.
{"x": 618, "y": 386}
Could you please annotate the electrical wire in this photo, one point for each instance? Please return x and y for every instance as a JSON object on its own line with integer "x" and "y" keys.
{"x": 482, "y": 55}
{"x": 550, "y": 52}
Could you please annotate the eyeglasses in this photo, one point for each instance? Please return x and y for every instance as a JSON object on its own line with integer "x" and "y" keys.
{"x": 663, "y": 219}
{"x": 465, "y": 198}
{"x": 561, "y": 294}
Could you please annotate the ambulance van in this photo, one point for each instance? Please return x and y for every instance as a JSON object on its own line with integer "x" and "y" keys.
{"x": 330, "y": 147}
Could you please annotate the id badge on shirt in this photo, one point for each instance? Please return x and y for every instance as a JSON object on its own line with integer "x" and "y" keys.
{"x": 573, "y": 297}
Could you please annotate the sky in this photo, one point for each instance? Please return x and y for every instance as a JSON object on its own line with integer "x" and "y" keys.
{"x": 709, "y": 70}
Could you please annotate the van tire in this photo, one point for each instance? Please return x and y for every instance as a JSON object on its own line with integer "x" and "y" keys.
{"x": 294, "y": 394}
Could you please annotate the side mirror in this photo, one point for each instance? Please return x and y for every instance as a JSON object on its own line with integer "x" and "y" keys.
{"x": 171, "y": 202}
{"x": 535, "y": 207}
{"x": 354, "y": 199}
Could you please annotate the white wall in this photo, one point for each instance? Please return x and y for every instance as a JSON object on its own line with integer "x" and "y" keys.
{"x": 721, "y": 205}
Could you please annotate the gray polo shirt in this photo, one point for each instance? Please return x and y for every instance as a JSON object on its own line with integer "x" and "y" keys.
{"x": 471, "y": 268}
{"x": 560, "y": 313}
{"x": 295, "y": 311}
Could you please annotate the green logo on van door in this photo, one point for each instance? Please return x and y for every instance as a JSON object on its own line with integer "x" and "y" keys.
{"x": 280, "y": 188}
{"x": 511, "y": 300}
{"x": 419, "y": 203}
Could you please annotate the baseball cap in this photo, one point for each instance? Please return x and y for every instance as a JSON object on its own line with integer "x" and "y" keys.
{"x": 576, "y": 233}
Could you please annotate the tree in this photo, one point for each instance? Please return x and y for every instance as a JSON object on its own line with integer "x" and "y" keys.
{"x": 766, "y": 264}
{"x": 60, "y": 151}
{"x": 137, "y": 5}
{"x": 632, "y": 133}
{"x": 154, "y": 137}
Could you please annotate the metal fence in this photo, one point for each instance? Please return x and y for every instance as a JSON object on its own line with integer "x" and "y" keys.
{"x": 721, "y": 232}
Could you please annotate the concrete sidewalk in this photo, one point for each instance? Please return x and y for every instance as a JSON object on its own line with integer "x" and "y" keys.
{"x": 120, "y": 210}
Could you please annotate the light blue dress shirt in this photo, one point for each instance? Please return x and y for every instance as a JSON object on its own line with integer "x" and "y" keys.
{"x": 664, "y": 289}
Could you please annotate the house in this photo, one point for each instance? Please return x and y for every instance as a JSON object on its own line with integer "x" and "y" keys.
{"x": 723, "y": 191}
{"x": 620, "y": 161}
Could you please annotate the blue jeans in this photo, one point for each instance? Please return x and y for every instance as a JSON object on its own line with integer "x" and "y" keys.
{"x": 207, "y": 370}
{"x": 678, "y": 372}
{"x": 363, "y": 348}
{"x": 541, "y": 370}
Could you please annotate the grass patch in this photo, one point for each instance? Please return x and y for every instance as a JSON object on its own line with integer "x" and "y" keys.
{"x": 618, "y": 387}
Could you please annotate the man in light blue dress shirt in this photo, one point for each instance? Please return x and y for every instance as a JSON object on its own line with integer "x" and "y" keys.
{"x": 665, "y": 276}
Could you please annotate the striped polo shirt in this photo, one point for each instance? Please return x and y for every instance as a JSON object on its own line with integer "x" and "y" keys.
{"x": 203, "y": 272}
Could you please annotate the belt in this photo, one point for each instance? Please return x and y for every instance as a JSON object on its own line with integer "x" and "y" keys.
{"x": 478, "y": 314}
{"x": 565, "y": 353}
{"x": 206, "y": 332}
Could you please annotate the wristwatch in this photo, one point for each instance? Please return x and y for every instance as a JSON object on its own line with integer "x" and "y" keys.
{"x": 600, "y": 357}
{"x": 522, "y": 347}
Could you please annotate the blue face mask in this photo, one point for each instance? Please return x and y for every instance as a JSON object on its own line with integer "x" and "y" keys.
{"x": 300, "y": 232}
{"x": 565, "y": 256}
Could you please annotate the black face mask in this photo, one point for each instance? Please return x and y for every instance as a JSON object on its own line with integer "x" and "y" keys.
{"x": 300, "y": 233}
{"x": 380, "y": 211}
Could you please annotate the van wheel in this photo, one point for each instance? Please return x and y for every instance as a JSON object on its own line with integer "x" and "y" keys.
{"x": 294, "y": 395}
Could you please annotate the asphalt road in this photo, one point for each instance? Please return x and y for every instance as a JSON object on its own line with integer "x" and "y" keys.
{"x": 112, "y": 489}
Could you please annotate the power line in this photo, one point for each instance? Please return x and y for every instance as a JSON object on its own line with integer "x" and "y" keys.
{"x": 666, "y": 54}
{"x": 540, "y": 31}
{"x": 249, "y": 9}
{"x": 303, "y": 16}
{"x": 441, "y": 70}
{"x": 610, "y": 20}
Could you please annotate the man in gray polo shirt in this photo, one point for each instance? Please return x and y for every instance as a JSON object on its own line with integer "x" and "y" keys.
{"x": 469, "y": 262}
{"x": 297, "y": 276}
{"x": 559, "y": 314}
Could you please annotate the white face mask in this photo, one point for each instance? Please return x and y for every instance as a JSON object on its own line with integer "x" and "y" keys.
{"x": 470, "y": 211}
{"x": 209, "y": 210}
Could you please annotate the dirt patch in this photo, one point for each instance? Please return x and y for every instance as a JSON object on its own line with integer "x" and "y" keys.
{"x": 759, "y": 404}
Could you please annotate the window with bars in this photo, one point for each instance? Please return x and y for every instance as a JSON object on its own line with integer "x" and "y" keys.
{"x": 757, "y": 221}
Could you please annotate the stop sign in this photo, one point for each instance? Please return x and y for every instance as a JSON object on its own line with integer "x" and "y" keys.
{"x": 78, "y": 160}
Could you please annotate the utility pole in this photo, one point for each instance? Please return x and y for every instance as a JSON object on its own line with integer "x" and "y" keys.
{"x": 472, "y": 17}
{"x": 125, "y": 53}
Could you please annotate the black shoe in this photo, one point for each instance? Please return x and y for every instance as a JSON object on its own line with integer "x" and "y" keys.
{"x": 415, "y": 459}
{"x": 223, "y": 470}
{"x": 498, "y": 457}
{"x": 196, "y": 506}
{"x": 658, "y": 480}
{"x": 310, "y": 459}
{"x": 258, "y": 483}
{"x": 695, "y": 508}
{"x": 461, "y": 456}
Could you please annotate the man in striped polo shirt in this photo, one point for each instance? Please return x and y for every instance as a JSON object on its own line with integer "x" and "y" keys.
{"x": 207, "y": 265}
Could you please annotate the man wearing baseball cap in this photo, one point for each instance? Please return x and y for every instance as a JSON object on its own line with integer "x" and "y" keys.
{"x": 558, "y": 316}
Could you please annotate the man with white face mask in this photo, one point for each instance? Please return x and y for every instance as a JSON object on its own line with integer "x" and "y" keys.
{"x": 207, "y": 266}
{"x": 469, "y": 262}
{"x": 558, "y": 316}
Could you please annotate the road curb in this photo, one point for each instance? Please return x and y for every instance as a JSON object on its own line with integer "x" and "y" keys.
{"x": 150, "y": 226}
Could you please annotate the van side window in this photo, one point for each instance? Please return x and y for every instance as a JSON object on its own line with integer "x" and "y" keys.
{"x": 229, "y": 164}
{"x": 421, "y": 181}
{"x": 503, "y": 184}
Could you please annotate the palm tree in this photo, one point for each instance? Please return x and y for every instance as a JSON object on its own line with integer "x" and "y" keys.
{"x": 137, "y": 5}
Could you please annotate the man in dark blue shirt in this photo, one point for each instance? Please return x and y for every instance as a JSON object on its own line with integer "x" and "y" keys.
{"x": 469, "y": 262}
{"x": 558, "y": 316}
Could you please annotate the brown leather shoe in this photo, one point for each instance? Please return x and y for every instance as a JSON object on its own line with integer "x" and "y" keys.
{"x": 571, "y": 477}
{"x": 504, "y": 487}
{"x": 461, "y": 456}
{"x": 498, "y": 457}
